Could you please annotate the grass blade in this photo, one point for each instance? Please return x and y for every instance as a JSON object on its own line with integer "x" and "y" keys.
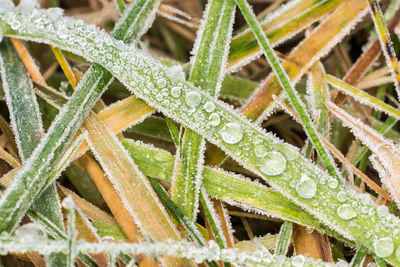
{"x": 208, "y": 69}
{"x": 285, "y": 235}
{"x": 28, "y": 182}
{"x": 317, "y": 44}
{"x": 363, "y": 97}
{"x": 147, "y": 77}
{"x": 279, "y": 26}
{"x": 285, "y": 82}
{"x": 386, "y": 42}
{"x": 28, "y": 128}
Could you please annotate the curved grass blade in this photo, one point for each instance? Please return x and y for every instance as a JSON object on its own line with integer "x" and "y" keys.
{"x": 208, "y": 69}
{"x": 386, "y": 42}
{"x": 28, "y": 128}
{"x": 30, "y": 180}
{"x": 385, "y": 150}
{"x": 285, "y": 82}
{"x": 147, "y": 77}
{"x": 285, "y": 235}
{"x": 228, "y": 187}
{"x": 279, "y": 26}
{"x": 317, "y": 44}
{"x": 182, "y": 249}
{"x": 363, "y": 97}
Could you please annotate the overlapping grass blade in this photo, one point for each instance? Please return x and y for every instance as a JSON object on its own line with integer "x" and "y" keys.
{"x": 147, "y": 77}
{"x": 363, "y": 97}
{"x": 279, "y": 26}
{"x": 31, "y": 178}
{"x": 317, "y": 44}
{"x": 28, "y": 128}
{"x": 228, "y": 187}
{"x": 208, "y": 69}
{"x": 386, "y": 42}
{"x": 290, "y": 91}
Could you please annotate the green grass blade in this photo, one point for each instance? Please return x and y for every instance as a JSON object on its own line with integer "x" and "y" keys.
{"x": 208, "y": 69}
{"x": 28, "y": 129}
{"x": 363, "y": 97}
{"x": 120, "y": 5}
{"x": 135, "y": 190}
{"x": 30, "y": 180}
{"x": 285, "y": 82}
{"x": 386, "y": 42}
{"x": 279, "y": 26}
{"x": 285, "y": 236}
{"x": 282, "y": 165}
{"x": 68, "y": 204}
{"x": 228, "y": 187}
{"x": 182, "y": 249}
{"x": 212, "y": 219}
{"x": 359, "y": 258}
{"x": 317, "y": 44}
{"x": 24, "y": 110}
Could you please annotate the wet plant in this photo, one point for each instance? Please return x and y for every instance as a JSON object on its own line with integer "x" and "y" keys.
{"x": 117, "y": 150}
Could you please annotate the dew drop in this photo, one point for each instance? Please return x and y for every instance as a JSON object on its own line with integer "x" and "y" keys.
{"x": 341, "y": 196}
{"x": 232, "y": 133}
{"x": 397, "y": 253}
{"x": 333, "y": 183}
{"x": 31, "y": 233}
{"x": 193, "y": 98}
{"x": 68, "y": 203}
{"x": 260, "y": 150}
{"x": 306, "y": 187}
{"x": 176, "y": 91}
{"x": 346, "y": 212}
{"x": 209, "y": 106}
{"x": 273, "y": 163}
{"x": 383, "y": 247}
{"x": 214, "y": 119}
{"x": 161, "y": 83}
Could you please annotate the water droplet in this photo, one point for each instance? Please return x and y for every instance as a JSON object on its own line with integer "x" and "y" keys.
{"x": 341, "y": 196}
{"x": 382, "y": 210}
{"x": 383, "y": 247}
{"x": 198, "y": 258}
{"x": 214, "y": 119}
{"x": 31, "y": 233}
{"x": 397, "y": 253}
{"x": 273, "y": 163}
{"x": 298, "y": 261}
{"x": 333, "y": 183}
{"x": 260, "y": 150}
{"x": 68, "y": 203}
{"x": 209, "y": 106}
{"x": 161, "y": 83}
{"x": 176, "y": 91}
{"x": 346, "y": 212}
{"x": 193, "y": 98}
{"x": 306, "y": 187}
{"x": 232, "y": 133}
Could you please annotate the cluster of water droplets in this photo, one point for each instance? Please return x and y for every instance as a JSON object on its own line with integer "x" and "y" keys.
{"x": 137, "y": 69}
